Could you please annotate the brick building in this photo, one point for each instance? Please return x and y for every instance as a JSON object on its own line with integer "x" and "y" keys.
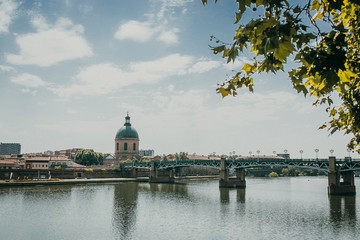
{"x": 127, "y": 142}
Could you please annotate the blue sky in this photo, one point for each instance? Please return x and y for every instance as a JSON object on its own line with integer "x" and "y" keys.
{"x": 70, "y": 70}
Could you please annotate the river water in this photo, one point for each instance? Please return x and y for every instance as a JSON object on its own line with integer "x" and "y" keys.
{"x": 276, "y": 208}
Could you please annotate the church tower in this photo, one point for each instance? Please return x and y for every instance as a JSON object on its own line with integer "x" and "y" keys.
{"x": 127, "y": 141}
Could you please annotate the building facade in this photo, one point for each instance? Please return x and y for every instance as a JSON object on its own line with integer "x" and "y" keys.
{"x": 10, "y": 148}
{"x": 67, "y": 152}
{"x": 127, "y": 142}
{"x": 38, "y": 163}
{"x": 146, "y": 153}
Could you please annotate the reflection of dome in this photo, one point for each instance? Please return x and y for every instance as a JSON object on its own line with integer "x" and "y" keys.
{"x": 127, "y": 131}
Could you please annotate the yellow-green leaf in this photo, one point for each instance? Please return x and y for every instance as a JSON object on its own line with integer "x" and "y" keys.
{"x": 247, "y": 68}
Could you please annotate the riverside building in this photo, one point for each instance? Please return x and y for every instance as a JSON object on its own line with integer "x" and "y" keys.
{"x": 127, "y": 141}
{"x": 10, "y": 148}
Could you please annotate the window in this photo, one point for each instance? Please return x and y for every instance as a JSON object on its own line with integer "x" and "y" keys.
{"x": 134, "y": 147}
{"x": 117, "y": 146}
{"x": 125, "y": 146}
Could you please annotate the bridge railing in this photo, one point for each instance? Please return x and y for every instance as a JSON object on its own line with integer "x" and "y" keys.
{"x": 320, "y": 164}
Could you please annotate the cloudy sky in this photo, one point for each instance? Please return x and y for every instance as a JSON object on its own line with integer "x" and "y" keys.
{"x": 70, "y": 70}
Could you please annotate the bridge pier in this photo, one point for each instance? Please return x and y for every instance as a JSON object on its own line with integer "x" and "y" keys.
{"x": 164, "y": 176}
{"x": 226, "y": 181}
{"x": 335, "y": 185}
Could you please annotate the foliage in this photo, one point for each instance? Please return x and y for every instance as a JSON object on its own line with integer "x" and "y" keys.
{"x": 181, "y": 156}
{"x": 144, "y": 159}
{"x": 321, "y": 36}
{"x": 273, "y": 174}
{"x": 57, "y": 167}
{"x": 88, "y": 157}
{"x": 290, "y": 171}
{"x": 312, "y": 172}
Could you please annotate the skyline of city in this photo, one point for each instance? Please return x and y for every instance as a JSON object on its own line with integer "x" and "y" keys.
{"x": 69, "y": 72}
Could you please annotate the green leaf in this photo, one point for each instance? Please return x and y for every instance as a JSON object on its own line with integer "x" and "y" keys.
{"x": 219, "y": 49}
{"x": 315, "y": 5}
{"x": 247, "y": 68}
{"x": 346, "y": 76}
{"x": 223, "y": 91}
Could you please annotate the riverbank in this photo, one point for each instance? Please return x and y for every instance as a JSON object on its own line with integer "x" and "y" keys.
{"x": 40, "y": 182}
{"x": 67, "y": 181}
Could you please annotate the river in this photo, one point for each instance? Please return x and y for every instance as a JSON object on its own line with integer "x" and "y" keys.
{"x": 269, "y": 208}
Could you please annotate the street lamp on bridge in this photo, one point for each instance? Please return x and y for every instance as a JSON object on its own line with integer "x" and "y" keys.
{"x": 349, "y": 150}
{"x": 316, "y": 151}
{"x": 332, "y": 152}
{"x": 301, "y": 152}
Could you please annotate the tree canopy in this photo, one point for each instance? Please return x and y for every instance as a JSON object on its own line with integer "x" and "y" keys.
{"x": 88, "y": 157}
{"x": 321, "y": 36}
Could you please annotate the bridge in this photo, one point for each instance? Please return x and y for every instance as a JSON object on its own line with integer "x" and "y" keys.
{"x": 340, "y": 171}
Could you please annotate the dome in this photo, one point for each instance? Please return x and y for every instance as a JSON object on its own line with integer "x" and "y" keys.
{"x": 127, "y": 131}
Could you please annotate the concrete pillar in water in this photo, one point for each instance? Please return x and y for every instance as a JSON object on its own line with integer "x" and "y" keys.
{"x": 134, "y": 172}
{"x": 152, "y": 170}
{"x": 335, "y": 185}
{"x": 224, "y": 172}
{"x": 226, "y": 181}
{"x": 164, "y": 176}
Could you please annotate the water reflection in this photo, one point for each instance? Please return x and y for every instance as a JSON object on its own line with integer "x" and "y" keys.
{"x": 177, "y": 190}
{"x": 275, "y": 209}
{"x": 124, "y": 212}
{"x": 343, "y": 211}
{"x": 225, "y": 195}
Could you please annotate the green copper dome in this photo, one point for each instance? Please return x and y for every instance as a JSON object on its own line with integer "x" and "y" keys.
{"x": 127, "y": 131}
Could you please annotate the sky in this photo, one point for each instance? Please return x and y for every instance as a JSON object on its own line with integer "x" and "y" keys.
{"x": 71, "y": 70}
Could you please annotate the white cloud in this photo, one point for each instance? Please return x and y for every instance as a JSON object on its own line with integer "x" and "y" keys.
{"x": 105, "y": 78}
{"x": 28, "y": 80}
{"x": 245, "y": 107}
{"x": 169, "y": 36}
{"x": 204, "y": 66}
{"x": 95, "y": 80}
{"x": 237, "y": 64}
{"x": 135, "y": 30}
{"x": 4, "y": 68}
{"x": 51, "y": 45}
{"x": 167, "y": 6}
{"x": 207, "y": 122}
{"x": 28, "y": 90}
{"x": 39, "y": 22}
{"x": 7, "y": 13}
{"x": 146, "y": 31}
{"x": 157, "y": 26}
{"x": 153, "y": 71}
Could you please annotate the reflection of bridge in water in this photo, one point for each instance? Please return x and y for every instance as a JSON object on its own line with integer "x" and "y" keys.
{"x": 340, "y": 171}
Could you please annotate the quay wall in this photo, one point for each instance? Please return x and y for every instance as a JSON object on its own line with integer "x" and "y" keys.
{"x": 72, "y": 173}
{"x": 67, "y": 173}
